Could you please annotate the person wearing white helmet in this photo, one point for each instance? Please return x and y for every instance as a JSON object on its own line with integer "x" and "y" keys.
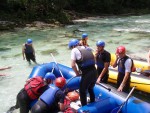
{"x": 85, "y": 61}
{"x": 32, "y": 90}
{"x": 28, "y": 51}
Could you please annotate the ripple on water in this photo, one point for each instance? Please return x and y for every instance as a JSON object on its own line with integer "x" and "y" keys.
{"x": 48, "y": 51}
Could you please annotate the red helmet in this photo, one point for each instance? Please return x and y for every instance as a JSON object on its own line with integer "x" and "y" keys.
{"x": 121, "y": 49}
{"x": 60, "y": 82}
{"x": 73, "y": 96}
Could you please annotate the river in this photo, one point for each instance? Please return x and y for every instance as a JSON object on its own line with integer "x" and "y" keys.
{"x": 131, "y": 31}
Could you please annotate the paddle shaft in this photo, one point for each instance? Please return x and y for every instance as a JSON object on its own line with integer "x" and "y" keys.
{"x": 109, "y": 89}
{"x": 126, "y": 99}
{"x": 57, "y": 65}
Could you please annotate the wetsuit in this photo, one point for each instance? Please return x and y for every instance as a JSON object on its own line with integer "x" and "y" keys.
{"x": 122, "y": 71}
{"x": 48, "y": 103}
{"x": 100, "y": 60}
{"x": 24, "y": 100}
{"x": 29, "y": 53}
{"x": 86, "y": 65}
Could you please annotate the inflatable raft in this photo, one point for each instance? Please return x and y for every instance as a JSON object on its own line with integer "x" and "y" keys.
{"x": 141, "y": 82}
{"x": 108, "y": 100}
{"x": 140, "y": 64}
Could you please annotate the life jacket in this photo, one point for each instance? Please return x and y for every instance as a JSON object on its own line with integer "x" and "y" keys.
{"x": 48, "y": 96}
{"x": 101, "y": 58}
{"x": 33, "y": 85}
{"x": 121, "y": 65}
{"x": 87, "y": 58}
{"x": 28, "y": 48}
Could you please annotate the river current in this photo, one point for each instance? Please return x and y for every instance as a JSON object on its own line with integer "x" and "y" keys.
{"x": 131, "y": 31}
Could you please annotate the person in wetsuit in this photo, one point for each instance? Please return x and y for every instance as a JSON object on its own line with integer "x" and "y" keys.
{"x": 52, "y": 100}
{"x": 85, "y": 61}
{"x": 124, "y": 64}
{"x": 33, "y": 88}
{"x": 28, "y": 51}
{"x": 103, "y": 59}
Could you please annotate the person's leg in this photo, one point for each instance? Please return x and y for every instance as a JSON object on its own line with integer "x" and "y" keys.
{"x": 32, "y": 57}
{"x": 39, "y": 107}
{"x": 82, "y": 91}
{"x": 92, "y": 76}
{"x": 23, "y": 101}
{"x": 28, "y": 57}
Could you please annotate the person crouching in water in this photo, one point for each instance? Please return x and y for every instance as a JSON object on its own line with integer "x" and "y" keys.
{"x": 28, "y": 51}
{"x": 52, "y": 100}
{"x": 33, "y": 88}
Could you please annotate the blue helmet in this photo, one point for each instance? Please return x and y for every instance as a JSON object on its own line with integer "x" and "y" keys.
{"x": 84, "y": 35}
{"x": 29, "y": 41}
{"x": 73, "y": 42}
{"x": 100, "y": 43}
{"x": 50, "y": 76}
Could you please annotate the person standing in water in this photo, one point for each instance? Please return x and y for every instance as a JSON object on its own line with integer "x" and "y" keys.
{"x": 83, "y": 41}
{"x": 28, "y": 51}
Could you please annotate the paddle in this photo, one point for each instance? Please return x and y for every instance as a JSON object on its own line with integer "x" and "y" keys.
{"x": 109, "y": 89}
{"x": 126, "y": 99}
{"x": 57, "y": 65}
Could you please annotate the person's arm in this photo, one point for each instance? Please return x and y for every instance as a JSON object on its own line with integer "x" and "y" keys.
{"x": 23, "y": 51}
{"x": 33, "y": 50}
{"x": 115, "y": 63}
{"x": 74, "y": 67}
{"x": 106, "y": 65}
{"x": 5, "y": 68}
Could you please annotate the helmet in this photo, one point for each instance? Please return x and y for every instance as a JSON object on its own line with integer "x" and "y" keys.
{"x": 60, "y": 82}
{"x": 50, "y": 76}
{"x": 73, "y": 96}
{"x": 100, "y": 43}
{"x": 29, "y": 41}
{"x": 73, "y": 42}
{"x": 84, "y": 35}
{"x": 121, "y": 49}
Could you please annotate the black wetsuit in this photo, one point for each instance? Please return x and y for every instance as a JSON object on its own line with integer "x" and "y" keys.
{"x": 89, "y": 73}
{"x": 29, "y": 53}
{"x": 100, "y": 60}
{"x": 42, "y": 107}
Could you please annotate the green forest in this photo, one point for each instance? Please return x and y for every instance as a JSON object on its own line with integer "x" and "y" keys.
{"x": 64, "y": 11}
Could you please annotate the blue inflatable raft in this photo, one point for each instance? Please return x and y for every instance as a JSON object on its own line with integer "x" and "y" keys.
{"x": 108, "y": 100}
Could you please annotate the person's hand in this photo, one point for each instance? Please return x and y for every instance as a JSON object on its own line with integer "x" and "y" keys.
{"x": 120, "y": 88}
{"x": 9, "y": 67}
{"x": 98, "y": 80}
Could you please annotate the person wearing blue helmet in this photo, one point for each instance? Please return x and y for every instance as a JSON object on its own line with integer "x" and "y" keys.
{"x": 85, "y": 61}
{"x": 32, "y": 90}
{"x": 28, "y": 51}
{"x": 103, "y": 59}
{"x": 84, "y": 39}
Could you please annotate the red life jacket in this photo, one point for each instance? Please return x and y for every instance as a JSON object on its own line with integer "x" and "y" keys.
{"x": 33, "y": 85}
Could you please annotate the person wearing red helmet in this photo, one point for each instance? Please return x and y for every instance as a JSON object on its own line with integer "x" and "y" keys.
{"x": 52, "y": 100}
{"x": 124, "y": 64}
{"x": 103, "y": 59}
{"x": 33, "y": 88}
{"x": 83, "y": 63}
{"x": 28, "y": 51}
